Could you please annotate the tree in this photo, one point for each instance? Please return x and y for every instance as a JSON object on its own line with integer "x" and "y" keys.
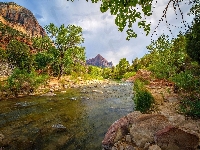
{"x": 122, "y": 67}
{"x": 94, "y": 71}
{"x": 75, "y": 60}
{"x": 135, "y": 64}
{"x": 107, "y": 73}
{"x": 18, "y": 54}
{"x": 43, "y": 60}
{"x": 42, "y": 44}
{"x": 128, "y": 12}
{"x": 64, "y": 39}
{"x": 193, "y": 41}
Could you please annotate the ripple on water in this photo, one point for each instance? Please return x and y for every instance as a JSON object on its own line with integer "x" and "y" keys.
{"x": 75, "y": 119}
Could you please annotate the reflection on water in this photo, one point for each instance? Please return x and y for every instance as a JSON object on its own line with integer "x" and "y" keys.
{"x": 77, "y": 119}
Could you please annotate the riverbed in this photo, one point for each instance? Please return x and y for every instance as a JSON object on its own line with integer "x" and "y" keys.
{"x": 74, "y": 119}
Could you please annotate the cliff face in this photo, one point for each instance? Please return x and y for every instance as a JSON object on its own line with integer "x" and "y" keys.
{"x": 20, "y": 18}
{"x": 99, "y": 61}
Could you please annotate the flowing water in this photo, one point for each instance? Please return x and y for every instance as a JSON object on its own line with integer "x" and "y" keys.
{"x": 75, "y": 120}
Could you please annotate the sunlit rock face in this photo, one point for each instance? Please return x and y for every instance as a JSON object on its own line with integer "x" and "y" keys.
{"x": 99, "y": 61}
{"x": 20, "y": 19}
{"x": 148, "y": 131}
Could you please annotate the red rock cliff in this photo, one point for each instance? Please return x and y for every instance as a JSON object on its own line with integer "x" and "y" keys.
{"x": 20, "y": 19}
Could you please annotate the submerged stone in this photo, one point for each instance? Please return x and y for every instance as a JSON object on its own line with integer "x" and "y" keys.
{"x": 58, "y": 126}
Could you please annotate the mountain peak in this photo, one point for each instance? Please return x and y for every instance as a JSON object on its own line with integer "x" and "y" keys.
{"x": 99, "y": 57}
{"x": 99, "y": 61}
{"x": 20, "y": 18}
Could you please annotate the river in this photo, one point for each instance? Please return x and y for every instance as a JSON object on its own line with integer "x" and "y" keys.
{"x": 76, "y": 119}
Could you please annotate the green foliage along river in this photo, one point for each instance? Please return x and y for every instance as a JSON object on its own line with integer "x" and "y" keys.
{"x": 76, "y": 119}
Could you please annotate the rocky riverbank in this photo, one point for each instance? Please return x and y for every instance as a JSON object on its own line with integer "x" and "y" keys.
{"x": 164, "y": 128}
{"x": 138, "y": 131}
{"x": 54, "y": 85}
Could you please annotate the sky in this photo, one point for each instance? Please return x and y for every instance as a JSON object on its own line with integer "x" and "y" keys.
{"x": 99, "y": 30}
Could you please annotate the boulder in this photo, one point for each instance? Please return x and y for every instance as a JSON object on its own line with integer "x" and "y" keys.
{"x": 173, "y": 138}
{"x": 143, "y": 130}
{"x": 144, "y": 127}
{"x": 116, "y": 131}
{"x": 119, "y": 129}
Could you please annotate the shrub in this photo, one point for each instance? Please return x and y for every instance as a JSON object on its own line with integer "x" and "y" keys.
{"x": 143, "y": 99}
{"x": 190, "y": 105}
{"x": 128, "y": 75}
{"x": 95, "y": 72}
{"x": 23, "y": 82}
{"x": 186, "y": 80}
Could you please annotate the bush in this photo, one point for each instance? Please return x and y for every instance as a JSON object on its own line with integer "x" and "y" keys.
{"x": 95, "y": 72}
{"x": 187, "y": 81}
{"x": 190, "y": 106}
{"x": 143, "y": 99}
{"x": 23, "y": 82}
{"x": 128, "y": 75}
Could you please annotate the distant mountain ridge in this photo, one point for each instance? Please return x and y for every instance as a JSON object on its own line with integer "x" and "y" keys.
{"x": 99, "y": 61}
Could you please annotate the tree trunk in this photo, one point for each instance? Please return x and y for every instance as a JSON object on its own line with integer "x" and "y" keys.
{"x": 61, "y": 65}
{"x": 60, "y": 71}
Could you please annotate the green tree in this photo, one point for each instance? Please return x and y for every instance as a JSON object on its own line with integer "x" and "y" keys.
{"x": 107, "y": 73}
{"x": 128, "y": 12}
{"x": 21, "y": 81}
{"x": 135, "y": 65}
{"x": 64, "y": 39}
{"x": 3, "y": 56}
{"x": 75, "y": 60}
{"x": 94, "y": 71}
{"x": 166, "y": 57}
{"x": 43, "y": 60}
{"x": 122, "y": 67}
{"x": 193, "y": 41}
{"x": 18, "y": 54}
{"x": 42, "y": 44}
{"x": 47, "y": 56}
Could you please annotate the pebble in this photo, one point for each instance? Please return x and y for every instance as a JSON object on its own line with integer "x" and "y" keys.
{"x": 130, "y": 147}
{"x": 58, "y": 126}
{"x": 97, "y": 91}
{"x": 154, "y": 147}
{"x": 73, "y": 98}
{"x": 146, "y": 146}
{"x": 121, "y": 147}
{"x": 2, "y": 137}
{"x": 114, "y": 148}
{"x": 128, "y": 138}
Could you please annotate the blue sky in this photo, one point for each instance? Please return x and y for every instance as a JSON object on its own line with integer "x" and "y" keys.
{"x": 99, "y": 29}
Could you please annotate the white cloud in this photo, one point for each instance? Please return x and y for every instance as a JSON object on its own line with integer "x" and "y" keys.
{"x": 122, "y": 52}
{"x": 99, "y": 29}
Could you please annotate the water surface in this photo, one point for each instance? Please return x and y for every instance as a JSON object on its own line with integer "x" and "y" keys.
{"x": 76, "y": 119}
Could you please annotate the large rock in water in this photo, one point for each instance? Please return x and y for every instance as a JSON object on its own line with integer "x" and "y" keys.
{"x": 146, "y": 130}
